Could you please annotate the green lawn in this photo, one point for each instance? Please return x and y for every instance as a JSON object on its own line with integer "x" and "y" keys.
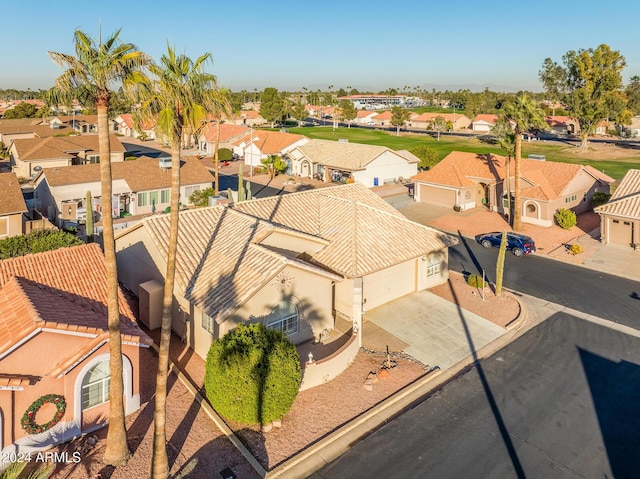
{"x": 616, "y": 168}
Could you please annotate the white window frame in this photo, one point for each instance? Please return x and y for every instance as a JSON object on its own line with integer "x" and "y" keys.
{"x": 165, "y": 196}
{"x": 434, "y": 265}
{"x": 143, "y": 199}
{"x": 283, "y": 319}
{"x": 102, "y": 385}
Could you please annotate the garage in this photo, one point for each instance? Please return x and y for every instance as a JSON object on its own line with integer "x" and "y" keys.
{"x": 389, "y": 284}
{"x": 436, "y": 195}
{"x": 620, "y": 231}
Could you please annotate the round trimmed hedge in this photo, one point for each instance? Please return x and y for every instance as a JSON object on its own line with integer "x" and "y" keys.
{"x": 252, "y": 374}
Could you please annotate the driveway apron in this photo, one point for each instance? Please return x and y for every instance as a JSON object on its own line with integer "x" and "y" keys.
{"x": 437, "y": 332}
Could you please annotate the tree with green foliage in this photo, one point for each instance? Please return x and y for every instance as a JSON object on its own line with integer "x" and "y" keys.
{"x": 252, "y": 374}
{"x": 275, "y": 165}
{"x": 593, "y": 83}
{"x": 271, "y": 106}
{"x": 241, "y": 183}
{"x": 525, "y": 115}
{"x": 399, "y": 117}
{"x": 89, "y": 78}
{"x": 21, "y": 110}
{"x": 89, "y": 218}
{"x": 36, "y": 241}
{"x": 348, "y": 112}
{"x": 632, "y": 91}
{"x": 428, "y": 156}
{"x": 554, "y": 79}
{"x": 439, "y": 124}
{"x": 500, "y": 263}
{"x": 506, "y": 138}
{"x": 200, "y": 198}
{"x": 299, "y": 112}
{"x": 180, "y": 97}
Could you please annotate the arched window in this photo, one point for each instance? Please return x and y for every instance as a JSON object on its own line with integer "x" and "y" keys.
{"x": 435, "y": 264}
{"x": 284, "y": 317}
{"x": 531, "y": 208}
{"x": 95, "y": 385}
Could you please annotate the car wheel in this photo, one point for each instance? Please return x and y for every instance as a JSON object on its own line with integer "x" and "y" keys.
{"x": 486, "y": 244}
{"x": 518, "y": 252}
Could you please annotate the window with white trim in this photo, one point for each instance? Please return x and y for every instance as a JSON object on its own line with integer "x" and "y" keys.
{"x": 153, "y": 198}
{"x": 434, "y": 266}
{"x": 165, "y": 196}
{"x": 207, "y": 323}
{"x": 284, "y": 317}
{"x": 95, "y": 385}
{"x": 143, "y": 199}
{"x": 188, "y": 190}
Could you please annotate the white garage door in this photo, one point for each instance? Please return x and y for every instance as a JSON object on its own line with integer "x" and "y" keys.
{"x": 620, "y": 232}
{"x": 389, "y": 284}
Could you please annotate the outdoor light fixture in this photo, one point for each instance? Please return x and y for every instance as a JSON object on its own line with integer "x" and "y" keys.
{"x": 70, "y": 210}
{"x": 310, "y": 357}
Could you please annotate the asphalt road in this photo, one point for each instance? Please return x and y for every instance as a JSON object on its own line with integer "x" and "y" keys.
{"x": 559, "y": 402}
{"x": 610, "y": 297}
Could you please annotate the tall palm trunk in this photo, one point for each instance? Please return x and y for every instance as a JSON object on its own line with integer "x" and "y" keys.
{"x": 216, "y": 157}
{"x": 117, "y": 451}
{"x": 517, "y": 213}
{"x": 160, "y": 462}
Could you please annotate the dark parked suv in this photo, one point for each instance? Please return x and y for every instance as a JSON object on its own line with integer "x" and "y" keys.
{"x": 516, "y": 243}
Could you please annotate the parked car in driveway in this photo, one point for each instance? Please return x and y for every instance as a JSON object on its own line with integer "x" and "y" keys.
{"x": 516, "y": 243}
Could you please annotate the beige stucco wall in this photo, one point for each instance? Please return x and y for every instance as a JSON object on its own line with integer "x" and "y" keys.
{"x": 24, "y": 169}
{"x": 388, "y": 284}
{"x": 387, "y": 166}
{"x": 343, "y": 298}
{"x": 11, "y": 225}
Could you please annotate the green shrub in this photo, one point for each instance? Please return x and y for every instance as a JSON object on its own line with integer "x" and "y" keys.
{"x": 566, "y": 218}
{"x": 130, "y": 158}
{"x": 428, "y": 156}
{"x": 225, "y": 154}
{"x": 600, "y": 198}
{"x": 36, "y": 242}
{"x": 475, "y": 281}
{"x": 252, "y": 374}
{"x": 201, "y": 197}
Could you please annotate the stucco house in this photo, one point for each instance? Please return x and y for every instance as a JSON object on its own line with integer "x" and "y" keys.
{"x": 12, "y": 206}
{"x": 29, "y": 156}
{"x": 293, "y": 262}
{"x": 425, "y": 120}
{"x": 562, "y": 125}
{"x": 465, "y": 180}
{"x": 262, "y": 143}
{"x": 62, "y": 350}
{"x": 246, "y": 118}
{"x": 620, "y": 217}
{"x": 125, "y": 125}
{"x": 229, "y": 133}
{"x": 369, "y": 165}
{"x": 140, "y": 187}
{"x": 382, "y": 119}
{"x": 27, "y": 128}
{"x": 364, "y": 117}
{"x": 484, "y": 122}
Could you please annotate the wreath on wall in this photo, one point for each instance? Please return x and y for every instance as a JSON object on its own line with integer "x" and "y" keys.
{"x": 27, "y": 421}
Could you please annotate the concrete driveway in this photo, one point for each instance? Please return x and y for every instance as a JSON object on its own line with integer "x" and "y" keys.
{"x": 429, "y": 328}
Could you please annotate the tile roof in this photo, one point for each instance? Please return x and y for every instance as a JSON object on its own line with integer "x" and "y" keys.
{"x": 18, "y": 125}
{"x": 228, "y": 132}
{"x": 273, "y": 142}
{"x": 12, "y": 199}
{"x": 385, "y": 115}
{"x": 347, "y": 156}
{"x": 221, "y": 263}
{"x": 486, "y": 117}
{"x": 447, "y": 117}
{"x": 141, "y": 175}
{"x": 127, "y": 119}
{"x": 625, "y": 201}
{"x": 74, "y": 279}
{"x": 59, "y": 147}
{"x": 547, "y": 179}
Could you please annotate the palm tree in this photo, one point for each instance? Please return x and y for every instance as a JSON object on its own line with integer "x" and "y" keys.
{"x": 90, "y": 74}
{"x": 180, "y": 98}
{"x": 525, "y": 115}
{"x": 15, "y": 469}
{"x": 507, "y": 140}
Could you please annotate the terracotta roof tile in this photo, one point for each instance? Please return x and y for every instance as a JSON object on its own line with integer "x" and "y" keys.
{"x": 273, "y": 142}
{"x": 61, "y": 147}
{"x": 486, "y": 117}
{"x": 227, "y": 132}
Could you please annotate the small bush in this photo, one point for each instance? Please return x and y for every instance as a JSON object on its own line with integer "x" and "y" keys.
{"x": 600, "y": 199}
{"x": 575, "y": 248}
{"x": 130, "y": 158}
{"x": 566, "y": 218}
{"x": 475, "y": 281}
{"x": 252, "y": 374}
{"x": 225, "y": 154}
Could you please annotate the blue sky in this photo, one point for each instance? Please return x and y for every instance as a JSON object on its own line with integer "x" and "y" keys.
{"x": 365, "y": 44}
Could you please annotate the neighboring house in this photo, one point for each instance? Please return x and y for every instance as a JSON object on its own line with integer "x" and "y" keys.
{"x": 12, "y": 206}
{"x": 293, "y": 262}
{"x": 374, "y": 102}
{"x": 562, "y": 125}
{"x": 29, "y": 157}
{"x": 140, "y": 187}
{"x": 484, "y": 122}
{"x": 383, "y": 118}
{"x": 19, "y": 128}
{"x": 632, "y": 130}
{"x": 246, "y": 118}
{"x": 620, "y": 217}
{"x": 425, "y": 120}
{"x": 124, "y": 125}
{"x": 337, "y": 161}
{"x": 464, "y": 180}
{"x": 229, "y": 134}
{"x": 54, "y": 339}
{"x": 262, "y": 143}
{"x": 81, "y": 124}
{"x": 365, "y": 117}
